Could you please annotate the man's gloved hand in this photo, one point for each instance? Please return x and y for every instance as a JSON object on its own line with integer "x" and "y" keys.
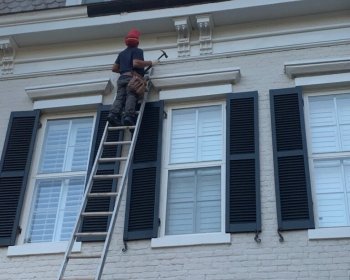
{"x": 155, "y": 62}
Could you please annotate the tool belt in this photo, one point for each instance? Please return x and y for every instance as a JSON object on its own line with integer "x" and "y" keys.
{"x": 137, "y": 84}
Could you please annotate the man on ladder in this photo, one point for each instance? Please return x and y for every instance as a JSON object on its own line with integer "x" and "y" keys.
{"x": 128, "y": 63}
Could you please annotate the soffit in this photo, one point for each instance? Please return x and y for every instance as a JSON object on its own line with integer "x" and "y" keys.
{"x": 67, "y": 26}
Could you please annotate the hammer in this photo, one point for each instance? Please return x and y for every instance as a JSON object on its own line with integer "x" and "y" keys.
{"x": 163, "y": 54}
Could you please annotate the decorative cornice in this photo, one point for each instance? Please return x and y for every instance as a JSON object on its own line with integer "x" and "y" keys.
{"x": 205, "y": 26}
{"x": 319, "y": 67}
{"x": 196, "y": 78}
{"x": 7, "y": 55}
{"x": 83, "y": 93}
{"x": 183, "y": 28}
{"x": 91, "y": 87}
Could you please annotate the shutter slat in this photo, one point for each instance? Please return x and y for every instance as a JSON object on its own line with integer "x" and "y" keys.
{"x": 243, "y": 190}
{"x": 16, "y": 157}
{"x": 141, "y": 220}
{"x": 293, "y": 191}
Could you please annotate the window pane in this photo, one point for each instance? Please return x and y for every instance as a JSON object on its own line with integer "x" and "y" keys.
{"x": 71, "y": 207}
{"x": 56, "y": 207}
{"x": 180, "y": 206}
{"x": 45, "y": 210}
{"x": 209, "y": 200}
{"x": 331, "y": 193}
{"x": 55, "y": 143}
{"x": 331, "y": 210}
{"x": 323, "y": 125}
{"x": 347, "y": 174}
{"x": 80, "y": 144}
{"x": 66, "y": 145}
{"x": 183, "y": 136}
{"x": 194, "y": 201}
{"x": 196, "y": 134}
{"x": 343, "y": 105}
{"x": 209, "y": 133}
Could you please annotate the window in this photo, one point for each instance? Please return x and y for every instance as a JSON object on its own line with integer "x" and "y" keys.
{"x": 60, "y": 179}
{"x": 329, "y": 136}
{"x": 194, "y": 171}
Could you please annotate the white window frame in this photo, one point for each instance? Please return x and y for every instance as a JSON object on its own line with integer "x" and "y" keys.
{"x": 80, "y": 2}
{"x": 195, "y": 238}
{"x": 73, "y": 2}
{"x": 325, "y": 232}
{"x": 23, "y": 248}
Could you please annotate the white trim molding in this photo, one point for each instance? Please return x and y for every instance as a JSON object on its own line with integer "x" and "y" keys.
{"x": 191, "y": 239}
{"x": 195, "y": 92}
{"x": 322, "y": 81}
{"x": 183, "y": 28}
{"x": 311, "y": 67}
{"x": 329, "y": 233}
{"x": 7, "y": 55}
{"x": 192, "y": 78}
{"x": 69, "y": 94}
{"x": 43, "y": 248}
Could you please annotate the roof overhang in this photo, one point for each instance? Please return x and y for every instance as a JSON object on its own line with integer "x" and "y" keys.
{"x": 72, "y": 24}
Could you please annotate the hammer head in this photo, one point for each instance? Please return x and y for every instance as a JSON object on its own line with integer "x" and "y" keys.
{"x": 164, "y": 53}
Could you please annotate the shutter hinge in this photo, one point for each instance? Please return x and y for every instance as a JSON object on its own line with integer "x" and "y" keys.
{"x": 125, "y": 247}
{"x": 19, "y": 230}
{"x": 159, "y": 222}
{"x": 257, "y": 238}
{"x": 280, "y": 235}
{"x": 40, "y": 125}
{"x": 165, "y": 115}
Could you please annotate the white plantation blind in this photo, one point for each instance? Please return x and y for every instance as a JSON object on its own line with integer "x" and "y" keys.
{"x": 332, "y": 202}
{"x": 330, "y": 123}
{"x": 196, "y": 135}
{"x": 330, "y": 133}
{"x": 69, "y": 210}
{"x": 55, "y": 209}
{"x": 194, "y": 201}
{"x": 59, "y": 192}
{"x": 66, "y": 145}
{"x": 194, "y": 193}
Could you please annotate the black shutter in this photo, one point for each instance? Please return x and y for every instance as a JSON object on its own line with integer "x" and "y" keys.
{"x": 96, "y": 204}
{"x": 14, "y": 168}
{"x": 292, "y": 181}
{"x": 141, "y": 219}
{"x": 242, "y": 172}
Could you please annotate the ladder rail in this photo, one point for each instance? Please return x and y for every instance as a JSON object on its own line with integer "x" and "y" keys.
{"x": 122, "y": 187}
{"x": 119, "y": 194}
{"x": 78, "y": 221}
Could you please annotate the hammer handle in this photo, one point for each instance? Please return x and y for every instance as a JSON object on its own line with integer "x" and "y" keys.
{"x": 149, "y": 67}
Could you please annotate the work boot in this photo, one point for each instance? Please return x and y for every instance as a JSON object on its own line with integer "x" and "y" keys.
{"x": 114, "y": 119}
{"x": 129, "y": 121}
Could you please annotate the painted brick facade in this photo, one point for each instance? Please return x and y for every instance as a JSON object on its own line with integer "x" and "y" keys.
{"x": 297, "y": 258}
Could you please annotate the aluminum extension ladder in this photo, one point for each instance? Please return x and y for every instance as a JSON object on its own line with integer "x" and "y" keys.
{"x": 123, "y": 170}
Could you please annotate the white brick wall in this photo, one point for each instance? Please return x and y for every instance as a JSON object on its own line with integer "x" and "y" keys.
{"x": 296, "y": 258}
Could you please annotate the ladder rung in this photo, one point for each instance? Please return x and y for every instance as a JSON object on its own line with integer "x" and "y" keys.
{"x": 112, "y": 159}
{"x": 111, "y": 128}
{"x": 103, "y": 194}
{"x": 107, "y": 176}
{"x": 116, "y": 143}
{"x": 91, "y": 233}
{"x": 78, "y": 278}
{"x": 80, "y": 256}
{"x": 96, "y": 214}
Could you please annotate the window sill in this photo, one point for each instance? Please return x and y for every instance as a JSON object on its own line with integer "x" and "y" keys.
{"x": 191, "y": 239}
{"x": 329, "y": 233}
{"x": 44, "y": 248}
